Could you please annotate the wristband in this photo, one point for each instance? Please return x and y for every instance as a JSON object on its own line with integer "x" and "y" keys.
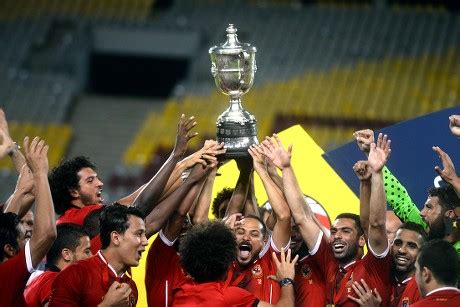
{"x": 286, "y": 282}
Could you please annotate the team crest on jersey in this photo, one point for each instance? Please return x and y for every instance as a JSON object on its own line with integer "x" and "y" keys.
{"x": 405, "y": 302}
{"x": 256, "y": 271}
{"x": 306, "y": 271}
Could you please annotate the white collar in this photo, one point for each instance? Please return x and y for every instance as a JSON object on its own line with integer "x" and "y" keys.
{"x": 442, "y": 289}
{"x": 108, "y": 264}
{"x": 346, "y": 266}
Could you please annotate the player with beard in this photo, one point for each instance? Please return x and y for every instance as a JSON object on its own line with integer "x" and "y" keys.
{"x": 406, "y": 246}
{"x": 255, "y": 244}
{"x": 340, "y": 258}
{"x": 207, "y": 253}
{"x": 163, "y": 268}
{"x": 436, "y": 271}
{"x": 77, "y": 189}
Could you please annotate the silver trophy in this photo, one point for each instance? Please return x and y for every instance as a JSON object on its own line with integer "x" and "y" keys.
{"x": 233, "y": 68}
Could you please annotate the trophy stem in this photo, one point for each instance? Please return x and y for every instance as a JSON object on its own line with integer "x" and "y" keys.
{"x": 235, "y": 104}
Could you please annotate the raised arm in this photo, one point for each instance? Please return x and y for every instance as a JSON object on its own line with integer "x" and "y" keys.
{"x": 240, "y": 193}
{"x": 362, "y": 171}
{"x": 148, "y": 198}
{"x": 282, "y": 228}
{"x": 251, "y": 207}
{"x": 163, "y": 211}
{"x": 200, "y": 210}
{"x": 447, "y": 172}
{"x": 22, "y": 198}
{"x": 44, "y": 231}
{"x": 378, "y": 156}
{"x": 302, "y": 214}
{"x": 12, "y": 149}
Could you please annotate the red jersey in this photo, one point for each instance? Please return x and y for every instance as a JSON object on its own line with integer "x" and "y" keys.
{"x": 446, "y": 296}
{"x": 374, "y": 269}
{"x": 76, "y": 215}
{"x": 163, "y": 272}
{"x": 85, "y": 283}
{"x": 211, "y": 294}
{"x": 14, "y": 274}
{"x": 310, "y": 289}
{"x": 256, "y": 275}
{"x": 38, "y": 291}
{"x": 404, "y": 293}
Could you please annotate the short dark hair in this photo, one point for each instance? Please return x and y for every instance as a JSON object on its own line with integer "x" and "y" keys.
{"x": 115, "y": 218}
{"x": 223, "y": 195}
{"x": 91, "y": 223}
{"x": 68, "y": 236}
{"x": 63, "y": 178}
{"x": 448, "y": 199}
{"x": 416, "y": 228}
{"x": 440, "y": 258}
{"x": 264, "y": 227}
{"x": 207, "y": 250}
{"x": 353, "y": 217}
{"x": 9, "y": 232}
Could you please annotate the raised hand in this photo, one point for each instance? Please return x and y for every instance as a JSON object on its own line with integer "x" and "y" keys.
{"x": 364, "y": 139}
{"x": 447, "y": 172}
{"x": 366, "y": 296}
{"x": 183, "y": 135}
{"x": 36, "y": 153}
{"x": 117, "y": 295}
{"x": 454, "y": 125}
{"x": 379, "y": 153}
{"x": 275, "y": 152}
{"x": 362, "y": 170}
{"x": 207, "y": 154}
{"x": 258, "y": 158}
{"x": 234, "y": 220}
{"x": 284, "y": 268}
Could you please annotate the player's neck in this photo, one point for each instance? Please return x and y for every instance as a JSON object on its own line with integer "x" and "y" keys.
{"x": 112, "y": 257}
{"x": 402, "y": 276}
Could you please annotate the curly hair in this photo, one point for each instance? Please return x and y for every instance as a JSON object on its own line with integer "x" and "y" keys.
{"x": 446, "y": 195}
{"x": 207, "y": 250}
{"x": 223, "y": 195}
{"x": 63, "y": 178}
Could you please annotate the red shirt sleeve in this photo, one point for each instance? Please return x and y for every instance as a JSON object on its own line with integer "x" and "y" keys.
{"x": 67, "y": 288}
{"x": 235, "y": 296}
{"x": 15, "y": 272}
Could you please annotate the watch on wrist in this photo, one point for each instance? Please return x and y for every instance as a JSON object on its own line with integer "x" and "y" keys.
{"x": 286, "y": 282}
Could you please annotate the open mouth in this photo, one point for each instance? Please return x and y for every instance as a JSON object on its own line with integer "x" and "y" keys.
{"x": 401, "y": 260}
{"x": 338, "y": 247}
{"x": 245, "y": 250}
{"x": 99, "y": 195}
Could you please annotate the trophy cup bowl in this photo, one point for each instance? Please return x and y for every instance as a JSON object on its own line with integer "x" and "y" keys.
{"x": 233, "y": 68}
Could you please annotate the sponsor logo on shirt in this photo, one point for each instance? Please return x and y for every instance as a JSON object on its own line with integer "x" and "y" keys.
{"x": 306, "y": 271}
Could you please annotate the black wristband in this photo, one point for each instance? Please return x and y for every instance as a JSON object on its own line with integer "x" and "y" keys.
{"x": 286, "y": 282}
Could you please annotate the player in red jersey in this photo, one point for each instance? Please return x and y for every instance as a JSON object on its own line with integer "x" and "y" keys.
{"x": 18, "y": 257}
{"x": 255, "y": 245}
{"x": 103, "y": 277}
{"x": 77, "y": 189}
{"x": 163, "y": 268}
{"x": 207, "y": 252}
{"x": 339, "y": 258}
{"x": 436, "y": 274}
{"x": 71, "y": 245}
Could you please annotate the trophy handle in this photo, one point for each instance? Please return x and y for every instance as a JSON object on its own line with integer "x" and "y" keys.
{"x": 245, "y": 57}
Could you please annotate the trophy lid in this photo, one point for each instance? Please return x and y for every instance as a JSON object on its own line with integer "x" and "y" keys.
{"x": 232, "y": 45}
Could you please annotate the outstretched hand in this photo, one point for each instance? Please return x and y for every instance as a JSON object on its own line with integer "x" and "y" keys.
{"x": 362, "y": 170}
{"x": 36, "y": 153}
{"x": 447, "y": 172}
{"x": 183, "y": 135}
{"x": 284, "y": 268}
{"x": 366, "y": 296}
{"x": 205, "y": 155}
{"x": 379, "y": 153}
{"x": 454, "y": 125}
{"x": 258, "y": 158}
{"x": 275, "y": 152}
{"x": 364, "y": 139}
